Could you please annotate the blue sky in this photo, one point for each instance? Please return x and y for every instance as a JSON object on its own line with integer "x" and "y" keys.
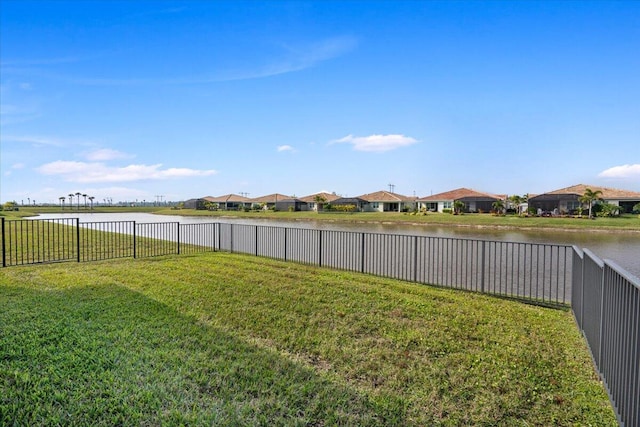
{"x": 131, "y": 100}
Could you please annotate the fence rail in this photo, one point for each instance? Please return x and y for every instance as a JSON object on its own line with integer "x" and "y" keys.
{"x": 605, "y": 299}
{"x": 537, "y": 272}
{"x": 606, "y": 306}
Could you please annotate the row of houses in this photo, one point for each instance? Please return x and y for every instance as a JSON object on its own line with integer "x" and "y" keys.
{"x": 560, "y": 201}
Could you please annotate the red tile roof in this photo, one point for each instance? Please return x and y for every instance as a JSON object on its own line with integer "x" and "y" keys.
{"x": 607, "y": 193}
{"x": 227, "y": 198}
{"x": 270, "y": 198}
{"x": 328, "y": 197}
{"x": 459, "y": 193}
{"x": 386, "y": 196}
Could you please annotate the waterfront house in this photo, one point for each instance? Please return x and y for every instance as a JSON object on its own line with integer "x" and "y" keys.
{"x": 567, "y": 200}
{"x": 269, "y": 201}
{"x": 344, "y": 203}
{"x": 229, "y": 202}
{"x": 291, "y": 204}
{"x": 474, "y": 201}
{"x": 312, "y": 204}
{"x": 386, "y": 201}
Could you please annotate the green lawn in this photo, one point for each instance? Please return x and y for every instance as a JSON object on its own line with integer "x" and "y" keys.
{"x": 226, "y": 339}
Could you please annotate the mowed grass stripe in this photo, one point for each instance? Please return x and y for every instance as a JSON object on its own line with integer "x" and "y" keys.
{"x": 227, "y": 339}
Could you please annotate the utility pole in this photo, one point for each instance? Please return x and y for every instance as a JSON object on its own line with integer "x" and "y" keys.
{"x": 391, "y": 187}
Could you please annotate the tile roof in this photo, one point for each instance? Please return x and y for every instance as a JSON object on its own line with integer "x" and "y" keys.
{"x": 459, "y": 193}
{"x": 607, "y": 193}
{"x": 386, "y": 196}
{"x": 227, "y": 198}
{"x": 328, "y": 197}
{"x": 270, "y": 198}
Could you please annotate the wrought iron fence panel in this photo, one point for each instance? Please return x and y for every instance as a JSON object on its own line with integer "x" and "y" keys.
{"x": 535, "y": 271}
{"x": 225, "y": 237}
{"x": 342, "y": 250}
{"x": 389, "y": 255}
{"x": 303, "y": 245}
{"x": 195, "y": 238}
{"x": 270, "y": 242}
{"x": 592, "y": 301}
{"x": 620, "y": 341}
{"x": 106, "y": 240}
{"x": 156, "y": 239}
{"x": 28, "y": 241}
{"x": 244, "y": 238}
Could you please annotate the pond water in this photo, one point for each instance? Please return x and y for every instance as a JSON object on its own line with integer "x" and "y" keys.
{"x": 621, "y": 247}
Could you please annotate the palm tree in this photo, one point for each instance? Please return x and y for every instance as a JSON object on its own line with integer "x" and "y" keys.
{"x": 78, "y": 194}
{"x": 516, "y": 201}
{"x": 498, "y": 206}
{"x": 85, "y": 201}
{"x": 71, "y": 201}
{"x": 458, "y": 207}
{"x": 61, "y": 201}
{"x": 91, "y": 199}
{"x": 589, "y": 197}
{"x": 320, "y": 201}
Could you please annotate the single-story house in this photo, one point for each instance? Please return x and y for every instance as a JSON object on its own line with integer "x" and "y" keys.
{"x": 344, "y": 202}
{"x": 567, "y": 200}
{"x": 312, "y": 199}
{"x": 199, "y": 203}
{"x": 474, "y": 201}
{"x": 291, "y": 204}
{"x": 269, "y": 201}
{"x": 230, "y": 202}
{"x": 386, "y": 201}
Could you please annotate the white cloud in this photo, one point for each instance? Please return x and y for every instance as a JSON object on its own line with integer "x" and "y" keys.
{"x": 285, "y": 148}
{"x": 36, "y": 140}
{"x": 377, "y": 143}
{"x": 106, "y": 154}
{"x": 623, "y": 171}
{"x": 17, "y": 166}
{"x": 287, "y": 59}
{"x": 98, "y": 172}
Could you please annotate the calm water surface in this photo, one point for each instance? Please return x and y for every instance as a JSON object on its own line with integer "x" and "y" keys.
{"x": 621, "y": 247}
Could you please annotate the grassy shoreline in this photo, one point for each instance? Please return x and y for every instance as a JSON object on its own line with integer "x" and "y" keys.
{"x": 228, "y": 339}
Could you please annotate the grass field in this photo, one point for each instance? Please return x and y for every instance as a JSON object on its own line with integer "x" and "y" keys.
{"x": 225, "y": 339}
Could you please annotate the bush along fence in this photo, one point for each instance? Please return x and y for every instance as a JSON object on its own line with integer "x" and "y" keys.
{"x": 604, "y": 298}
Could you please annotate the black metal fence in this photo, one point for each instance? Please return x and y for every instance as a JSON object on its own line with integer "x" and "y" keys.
{"x": 605, "y": 299}
{"x": 606, "y": 305}
{"x": 539, "y": 272}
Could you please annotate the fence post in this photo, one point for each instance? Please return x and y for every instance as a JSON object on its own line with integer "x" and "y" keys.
{"x": 231, "y": 238}
{"x": 483, "y": 266}
{"x": 415, "y": 258}
{"x": 217, "y": 228}
{"x": 285, "y": 243}
{"x": 320, "y": 248}
{"x": 256, "y": 240}
{"x": 78, "y": 238}
{"x": 4, "y": 247}
{"x": 178, "y": 236}
{"x": 600, "y": 326}
{"x": 135, "y": 255}
{"x": 362, "y": 246}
